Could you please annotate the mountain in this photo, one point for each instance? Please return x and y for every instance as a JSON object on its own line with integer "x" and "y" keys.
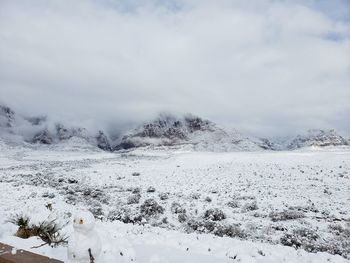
{"x": 186, "y": 132}
{"x": 318, "y": 138}
{"x": 6, "y": 116}
{"x": 38, "y": 130}
{"x": 189, "y": 130}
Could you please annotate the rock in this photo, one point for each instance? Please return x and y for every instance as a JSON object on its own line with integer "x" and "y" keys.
{"x": 44, "y": 137}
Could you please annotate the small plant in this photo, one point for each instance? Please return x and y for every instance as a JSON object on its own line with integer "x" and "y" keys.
{"x": 214, "y": 214}
{"x": 134, "y": 199}
{"x": 125, "y": 215}
{"x": 151, "y": 189}
{"x": 164, "y": 196}
{"x": 250, "y": 206}
{"x": 23, "y": 225}
{"x": 230, "y": 231}
{"x": 176, "y": 208}
{"x": 150, "y": 208}
{"x": 301, "y": 238}
{"x": 286, "y": 215}
{"x": 47, "y": 230}
{"x": 233, "y": 204}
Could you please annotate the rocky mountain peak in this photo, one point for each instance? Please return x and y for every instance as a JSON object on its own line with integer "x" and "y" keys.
{"x": 7, "y": 116}
{"x": 319, "y": 138}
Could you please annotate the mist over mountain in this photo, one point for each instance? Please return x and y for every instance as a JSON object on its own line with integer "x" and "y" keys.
{"x": 167, "y": 130}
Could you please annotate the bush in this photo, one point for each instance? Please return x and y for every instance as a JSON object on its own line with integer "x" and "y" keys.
{"x": 164, "y": 196}
{"x": 309, "y": 240}
{"x": 96, "y": 210}
{"x": 176, "y": 208}
{"x": 150, "y": 208}
{"x": 301, "y": 238}
{"x": 286, "y": 215}
{"x": 151, "y": 189}
{"x": 208, "y": 199}
{"x": 47, "y": 230}
{"x": 195, "y": 225}
{"x": 214, "y": 214}
{"x": 136, "y": 190}
{"x": 233, "y": 204}
{"x": 124, "y": 215}
{"x": 182, "y": 218}
{"x": 230, "y": 231}
{"x": 250, "y": 206}
{"x": 23, "y": 226}
{"x": 134, "y": 199}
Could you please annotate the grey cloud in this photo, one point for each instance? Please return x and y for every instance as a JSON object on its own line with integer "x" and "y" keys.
{"x": 265, "y": 67}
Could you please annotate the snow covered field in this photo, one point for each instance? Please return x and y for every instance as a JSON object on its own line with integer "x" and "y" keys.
{"x": 180, "y": 206}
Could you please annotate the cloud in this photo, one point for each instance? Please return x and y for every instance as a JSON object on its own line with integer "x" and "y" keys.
{"x": 264, "y": 67}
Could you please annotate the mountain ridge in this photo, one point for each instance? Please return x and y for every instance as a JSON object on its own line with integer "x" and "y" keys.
{"x": 166, "y": 130}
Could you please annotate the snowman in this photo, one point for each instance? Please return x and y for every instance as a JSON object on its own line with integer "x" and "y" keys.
{"x": 84, "y": 245}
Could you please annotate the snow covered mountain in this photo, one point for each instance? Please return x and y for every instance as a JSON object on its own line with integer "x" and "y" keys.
{"x": 318, "y": 138}
{"x": 186, "y": 132}
{"x": 6, "y": 116}
{"x": 38, "y": 130}
{"x": 190, "y": 131}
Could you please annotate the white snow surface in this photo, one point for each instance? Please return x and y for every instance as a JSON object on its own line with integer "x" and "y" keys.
{"x": 313, "y": 182}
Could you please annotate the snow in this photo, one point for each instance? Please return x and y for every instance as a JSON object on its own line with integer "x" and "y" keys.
{"x": 310, "y": 181}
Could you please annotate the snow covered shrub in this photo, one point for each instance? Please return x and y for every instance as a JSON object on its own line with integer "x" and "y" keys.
{"x": 244, "y": 197}
{"x": 195, "y": 225}
{"x": 72, "y": 181}
{"x": 250, "y": 206}
{"x": 151, "y": 189}
{"x": 96, "y": 194}
{"x": 182, "y": 218}
{"x": 340, "y": 243}
{"x": 339, "y": 230}
{"x": 195, "y": 196}
{"x": 230, "y": 231}
{"x": 96, "y": 210}
{"x": 209, "y": 225}
{"x": 286, "y": 215}
{"x": 134, "y": 199}
{"x": 47, "y": 230}
{"x": 302, "y": 238}
{"x": 214, "y": 214}
{"x": 176, "y": 208}
{"x": 136, "y": 190}
{"x": 164, "y": 196}
{"x": 124, "y": 215}
{"x": 48, "y": 195}
{"x": 233, "y": 204}
{"x": 208, "y": 199}
{"x": 150, "y": 208}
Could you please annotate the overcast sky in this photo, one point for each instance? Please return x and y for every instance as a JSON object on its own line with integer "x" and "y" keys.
{"x": 265, "y": 67}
